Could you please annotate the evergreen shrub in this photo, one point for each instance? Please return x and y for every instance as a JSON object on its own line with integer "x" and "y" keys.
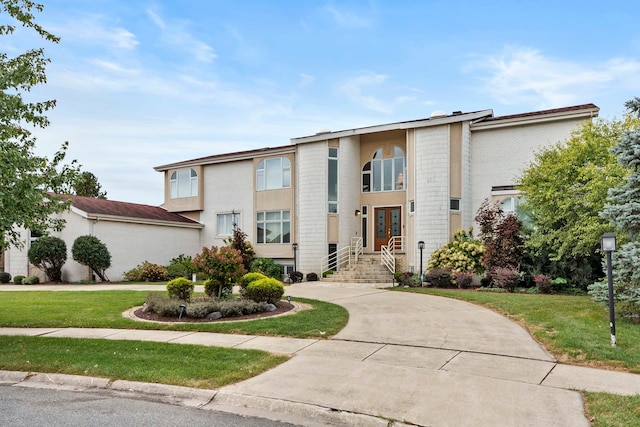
{"x": 265, "y": 290}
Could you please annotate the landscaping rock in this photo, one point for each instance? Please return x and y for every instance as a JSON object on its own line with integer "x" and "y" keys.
{"x": 270, "y": 308}
{"x": 214, "y": 316}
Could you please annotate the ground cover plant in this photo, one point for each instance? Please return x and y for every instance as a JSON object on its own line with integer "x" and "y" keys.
{"x": 573, "y": 328}
{"x": 103, "y": 309}
{"x": 176, "y": 364}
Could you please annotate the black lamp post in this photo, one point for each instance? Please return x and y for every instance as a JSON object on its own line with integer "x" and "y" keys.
{"x": 295, "y": 256}
{"x": 608, "y": 245}
{"x": 421, "y": 247}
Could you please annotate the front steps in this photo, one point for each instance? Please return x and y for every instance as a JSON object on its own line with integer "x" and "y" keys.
{"x": 367, "y": 270}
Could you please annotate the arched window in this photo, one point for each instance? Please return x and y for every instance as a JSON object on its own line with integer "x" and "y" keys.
{"x": 184, "y": 183}
{"x": 272, "y": 174}
{"x": 384, "y": 174}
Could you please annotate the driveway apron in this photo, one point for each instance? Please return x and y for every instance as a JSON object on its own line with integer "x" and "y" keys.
{"x": 422, "y": 360}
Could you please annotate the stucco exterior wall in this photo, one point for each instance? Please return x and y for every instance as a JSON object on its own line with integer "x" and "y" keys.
{"x": 349, "y": 189}
{"x": 311, "y": 196}
{"x": 432, "y": 187}
{"x": 228, "y": 187}
{"x": 499, "y": 155}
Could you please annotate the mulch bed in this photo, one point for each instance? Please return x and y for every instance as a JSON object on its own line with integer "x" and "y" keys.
{"x": 281, "y": 307}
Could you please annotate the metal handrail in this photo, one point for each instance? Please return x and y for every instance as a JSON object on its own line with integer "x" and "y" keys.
{"x": 388, "y": 252}
{"x": 344, "y": 256}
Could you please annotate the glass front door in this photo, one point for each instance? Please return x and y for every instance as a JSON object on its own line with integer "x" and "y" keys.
{"x": 388, "y": 224}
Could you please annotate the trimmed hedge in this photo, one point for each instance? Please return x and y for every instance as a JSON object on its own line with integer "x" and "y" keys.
{"x": 180, "y": 288}
{"x": 267, "y": 290}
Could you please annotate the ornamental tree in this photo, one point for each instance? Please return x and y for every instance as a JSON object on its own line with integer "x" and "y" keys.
{"x": 86, "y": 184}
{"x": 49, "y": 254}
{"x": 223, "y": 266}
{"x": 27, "y": 182}
{"x": 90, "y": 251}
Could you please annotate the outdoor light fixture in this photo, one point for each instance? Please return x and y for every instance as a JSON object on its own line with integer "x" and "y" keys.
{"x": 357, "y": 212}
{"x": 421, "y": 247}
{"x": 608, "y": 245}
{"x": 182, "y": 310}
{"x": 295, "y": 256}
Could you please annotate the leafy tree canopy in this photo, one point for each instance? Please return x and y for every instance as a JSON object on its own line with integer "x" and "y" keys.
{"x": 27, "y": 181}
{"x": 86, "y": 184}
{"x": 565, "y": 189}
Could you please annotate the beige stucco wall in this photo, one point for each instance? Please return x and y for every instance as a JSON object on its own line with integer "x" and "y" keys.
{"x": 184, "y": 204}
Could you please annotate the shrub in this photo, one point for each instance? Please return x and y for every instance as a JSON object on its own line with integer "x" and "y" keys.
{"x": 327, "y": 273}
{"x": 49, "y": 254}
{"x": 134, "y": 275}
{"x": 265, "y": 290}
{"x": 153, "y": 272}
{"x": 31, "y": 280}
{"x": 439, "y": 278}
{"x": 404, "y": 279}
{"x": 200, "y": 310}
{"x": 239, "y": 242}
{"x": 90, "y": 251}
{"x": 560, "y": 285}
{"x": 312, "y": 277}
{"x": 180, "y": 288}
{"x": 223, "y": 266}
{"x": 268, "y": 267}
{"x": 543, "y": 283}
{"x": 249, "y": 278}
{"x": 163, "y": 306}
{"x": 296, "y": 276}
{"x": 181, "y": 266}
{"x": 506, "y": 277}
{"x": 462, "y": 254}
{"x": 463, "y": 279}
{"x": 5, "y": 277}
{"x": 18, "y": 279}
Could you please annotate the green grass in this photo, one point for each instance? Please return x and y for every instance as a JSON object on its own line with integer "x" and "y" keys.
{"x": 610, "y": 410}
{"x": 176, "y": 364}
{"x": 103, "y": 309}
{"x": 574, "y": 329}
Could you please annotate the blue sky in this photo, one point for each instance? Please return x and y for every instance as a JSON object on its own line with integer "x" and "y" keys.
{"x": 144, "y": 83}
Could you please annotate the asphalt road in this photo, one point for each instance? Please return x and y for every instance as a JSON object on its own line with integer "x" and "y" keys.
{"x": 22, "y": 406}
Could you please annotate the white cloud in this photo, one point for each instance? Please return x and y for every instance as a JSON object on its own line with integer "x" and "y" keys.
{"x": 525, "y": 76}
{"x": 176, "y": 35}
{"x": 95, "y": 30}
{"x": 360, "y": 90}
{"x": 347, "y": 19}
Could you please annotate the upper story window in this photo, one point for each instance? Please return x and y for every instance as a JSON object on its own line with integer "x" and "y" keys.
{"x": 273, "y": 227}
{"x": 384, "y": 174}
{"x": 184, "y": 183}
{"x": 332, "y": 181}
{"x": 272, "y": 174}
{"x": 227, "y": 222}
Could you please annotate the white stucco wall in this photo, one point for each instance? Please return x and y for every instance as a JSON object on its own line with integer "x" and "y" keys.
{"x": 499, "y": 155}
{"x": 432, "y": 187}
{"x": 228, "y": 187}
{"x": 128, "y": 243}
{"x": 311, "y": 197}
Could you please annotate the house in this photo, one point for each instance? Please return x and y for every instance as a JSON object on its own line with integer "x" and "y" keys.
{"x": 132, "y": 233}
{"x": 381, "y": 188}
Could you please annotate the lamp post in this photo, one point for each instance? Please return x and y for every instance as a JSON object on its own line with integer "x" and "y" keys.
{"x": 608, "y": 245}
{"x": 295, "y": 256}
{"x": 421, "y": 247}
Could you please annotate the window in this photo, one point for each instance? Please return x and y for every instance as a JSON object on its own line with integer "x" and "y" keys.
{"x": 272, "y": 174}
{"x": 510, "y": 204}
{"x": 34, "y": 235}
{"x": 184, "y": 183}
{"x": 273, "y": 227}
{"x": 227, "y": 222}
{"x": 454, "y": 204}
{"x": 384, "y": 174}
{"x": 332, "y": 181}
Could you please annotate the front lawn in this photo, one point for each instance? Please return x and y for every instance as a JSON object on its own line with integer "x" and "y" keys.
{"x": 103, "y": 309}
{"x": 575, "y": 329}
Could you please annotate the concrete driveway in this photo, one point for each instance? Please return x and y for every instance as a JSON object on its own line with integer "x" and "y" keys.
{"x": 422, "y": 360}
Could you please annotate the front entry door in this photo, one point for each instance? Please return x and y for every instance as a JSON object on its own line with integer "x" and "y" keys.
{"x": 388, "y": 224}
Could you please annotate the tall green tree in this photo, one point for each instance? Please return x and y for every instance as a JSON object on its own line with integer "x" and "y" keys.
{"x": 565, "y": 189}
{"x": 86, "y": 184}
{"x": 27, "y": 181}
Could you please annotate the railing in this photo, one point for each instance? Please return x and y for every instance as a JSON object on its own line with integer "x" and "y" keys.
{"x": 344, "y": 256}
{"x": 388, "y": 252}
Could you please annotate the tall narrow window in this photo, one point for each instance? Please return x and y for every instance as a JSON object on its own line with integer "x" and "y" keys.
{"x": 184, "y": 183}
{"x": 332, "y": 181}
{"x": 272, "y": 174}
{"x": 384, "y": 174}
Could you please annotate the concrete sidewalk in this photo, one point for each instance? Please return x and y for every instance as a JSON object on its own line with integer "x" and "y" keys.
{"x": 418, "y": 359}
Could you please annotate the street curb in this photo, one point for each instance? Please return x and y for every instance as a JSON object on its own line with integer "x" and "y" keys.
{"x": 63, "y": 382}
{"x": 177, "y": 395}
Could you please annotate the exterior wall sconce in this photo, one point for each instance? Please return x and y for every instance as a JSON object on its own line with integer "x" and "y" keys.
{"x": 295, "y": 256}
{"x": 357, "y": 212}
{"x": 608, "y": 245}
